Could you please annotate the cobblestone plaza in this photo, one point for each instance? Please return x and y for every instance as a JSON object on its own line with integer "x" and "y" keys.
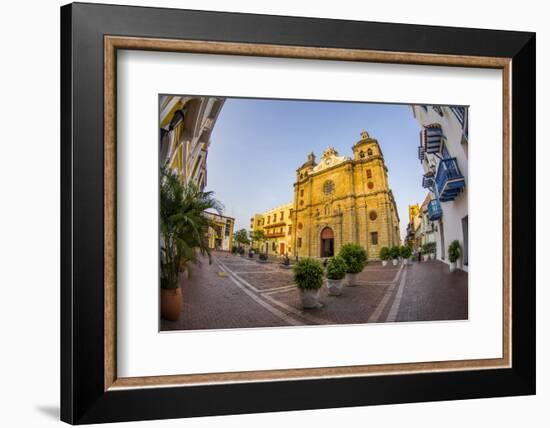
{"x": 237, "y": 292}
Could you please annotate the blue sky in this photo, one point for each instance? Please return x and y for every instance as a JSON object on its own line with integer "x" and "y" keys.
{"x": 257, "y": 145}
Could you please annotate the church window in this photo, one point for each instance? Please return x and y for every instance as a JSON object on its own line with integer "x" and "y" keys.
{"x": 302, "y": 202}
{"x": 301, "y": 193}
{"x": 370, "y": 184}
{"x": 369, "y": 152}
{"x": 299, "y": 244}
{"x": 362, "y": 154}
{"x": 328, "y": 187}
{"x": 300, "y": 225}
{"x": 374, "y": 238}
{"x": 372, "y": 215}
{"x": 369, "y": 173}
{"x": 327, "y": 210}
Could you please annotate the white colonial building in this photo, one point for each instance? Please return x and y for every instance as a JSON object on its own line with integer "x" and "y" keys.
{"x": 443, "y": 152}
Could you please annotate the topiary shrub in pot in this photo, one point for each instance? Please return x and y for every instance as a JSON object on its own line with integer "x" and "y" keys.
{"x": 308, "y": 276}
{"x": 454, "y": 254}
{"x": 336, "y": 272}
{"x": 426, "y": 252}
{"x": 394, "y": 254}
{"x": 384, "y": 255}
{"x": 405, "y": 253}
{"x": 355, "y": 257}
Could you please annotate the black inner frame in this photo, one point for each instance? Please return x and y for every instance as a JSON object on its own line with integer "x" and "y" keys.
{"x": 83, "y": 400}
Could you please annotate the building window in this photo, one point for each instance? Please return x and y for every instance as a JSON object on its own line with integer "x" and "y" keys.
{"x": 362, "y": 154}
{"x": 374, "y": 238}
{"x": 274, "y": 218}
{"x": 302, "y": 202}
{"x": 289, "y": 230}
{"x": 327, "y": 210}
{"x": 273, "y": 246}
{"x": 301, "y": 176}
{"x": 299, "y": 243}
{"x": 282, "y": 215}
{"x": 281, "y": 230}
{"x": 372, "y": 215}
{"x": 369, "y": 152}
{"x": 301, "y": 193}
{"x": 300, "y": 225}
{"x": 268, "y": 219}
{"x": 370, "y": 185}
{"x": 328, "y": 187}
{"x": 369, "y": 173}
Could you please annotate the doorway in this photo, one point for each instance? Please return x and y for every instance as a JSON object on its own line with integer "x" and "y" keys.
{"x": 327, "y": 242}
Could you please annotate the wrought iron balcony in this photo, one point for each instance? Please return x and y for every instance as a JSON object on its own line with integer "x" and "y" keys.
{"x": 434, "y": 210}
{"x": 431, "y": 138}
{"x": 448, "y": 180}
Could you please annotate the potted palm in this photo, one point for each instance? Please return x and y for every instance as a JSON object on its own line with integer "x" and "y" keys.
{"x": 405, "y": 253}
{"x": 336, "y": 271}
{"x": 355, "y": 257}
{"x": 394, "y": 255}
{"x": 454, "y": 254}
{"x": 384, "y": 255}
{"x": 183, "y": 236}
{"x": 308, "y": 276}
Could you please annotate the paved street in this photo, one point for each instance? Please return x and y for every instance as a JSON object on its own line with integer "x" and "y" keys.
{"x": 236, "y": 292}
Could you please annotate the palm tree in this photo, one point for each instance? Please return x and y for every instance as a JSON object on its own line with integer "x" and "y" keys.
{"x": 183, "y": 225}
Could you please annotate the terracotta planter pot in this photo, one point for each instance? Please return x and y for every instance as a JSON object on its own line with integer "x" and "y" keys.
{"x": 171, "y": 302}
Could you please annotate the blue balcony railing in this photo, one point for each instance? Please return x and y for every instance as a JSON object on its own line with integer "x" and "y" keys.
{"x": 434, "y": 210}
{"x": 431, "y": 138}
{"x": 420, "y": 153}
{"x": 428, "y": 181}
{"x": 448, "y": 180}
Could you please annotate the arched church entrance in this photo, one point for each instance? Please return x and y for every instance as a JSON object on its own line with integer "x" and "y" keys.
{"x": 327, "y": 242}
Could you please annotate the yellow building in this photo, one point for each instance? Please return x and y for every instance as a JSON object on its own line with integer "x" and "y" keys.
{"x": 414, "y": 227}
{"x": 220, "y": 235}
{"x": 344, "y": 200}
{"x": 276, "y": 224}
{"x": 186, "y": 124}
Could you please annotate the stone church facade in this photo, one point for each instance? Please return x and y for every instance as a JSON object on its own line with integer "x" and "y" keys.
{"x": 341, "y": 200}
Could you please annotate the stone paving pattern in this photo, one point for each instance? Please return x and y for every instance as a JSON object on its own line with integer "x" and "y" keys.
{"x": 213, "y": 301}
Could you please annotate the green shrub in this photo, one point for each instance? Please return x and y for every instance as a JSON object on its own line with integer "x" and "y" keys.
{"x": 454, "y": 251}
{"x": 355, "y": 257}
{"x": 405, "y": 251}
{"x": 336, "y": 268}
{"x": 428, "y": 248}
{"x": 384, "y": 253}
{"x": 308, "y": 274}
{"x": 394, "y": 252}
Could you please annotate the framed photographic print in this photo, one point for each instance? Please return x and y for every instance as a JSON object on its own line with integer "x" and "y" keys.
{"x": 266, "y": 213}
